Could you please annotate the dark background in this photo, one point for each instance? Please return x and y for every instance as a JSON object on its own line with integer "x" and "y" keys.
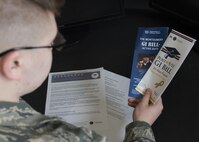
{"x": 110, "y": 44}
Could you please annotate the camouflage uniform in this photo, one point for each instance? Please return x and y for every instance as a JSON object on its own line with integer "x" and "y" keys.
{"x": 19, "y": 123}
{"x": 139, "y": 131}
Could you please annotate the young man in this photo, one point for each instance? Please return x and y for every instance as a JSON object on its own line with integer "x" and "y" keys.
{"x": 28, "y": 32}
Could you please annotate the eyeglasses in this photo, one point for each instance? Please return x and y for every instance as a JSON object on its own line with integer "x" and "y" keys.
{"x": 59, "y": 43}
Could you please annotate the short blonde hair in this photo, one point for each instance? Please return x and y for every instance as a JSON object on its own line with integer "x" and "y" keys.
{"x": 19, "y": 17}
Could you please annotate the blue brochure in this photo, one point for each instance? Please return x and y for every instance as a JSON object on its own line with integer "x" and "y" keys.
{"x": 149, "y": 40}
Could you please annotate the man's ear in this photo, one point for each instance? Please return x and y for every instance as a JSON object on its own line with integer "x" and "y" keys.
{"x": 11, "y": 66}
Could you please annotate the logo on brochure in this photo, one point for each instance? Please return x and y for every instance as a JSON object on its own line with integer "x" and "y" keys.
{"x": 95, "y": 75}
{"x": 158, "y": 84}
{"x": 171, "y": 52}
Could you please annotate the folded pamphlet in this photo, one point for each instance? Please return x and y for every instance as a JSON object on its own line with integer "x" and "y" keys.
{"x": 166, "y": 64}
{"x": 149, "y": 40}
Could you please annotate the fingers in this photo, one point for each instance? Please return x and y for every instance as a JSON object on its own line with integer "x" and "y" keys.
{"x": 145, "y": 100}
{"x": 159, "y": 101}
{"x": 133, "y": 102}
{"x": 159, "y": 104}
{"x": 145, "y": 110}
{"x": 148, "y": 91}
{"x": 146, "y": 97}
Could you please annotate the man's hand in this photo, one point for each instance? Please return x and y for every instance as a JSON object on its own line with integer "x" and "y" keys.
{"x": 144, "y": 110}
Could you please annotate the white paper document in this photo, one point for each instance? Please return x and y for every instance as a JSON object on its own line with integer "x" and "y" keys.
{"x": 119, "y": 113}
{"x": 79, "y": 98}
{"x": 92, "y": 98}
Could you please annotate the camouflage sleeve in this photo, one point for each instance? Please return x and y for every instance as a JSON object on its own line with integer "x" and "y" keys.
{"x": 139, "y": 131}
{"x": 51, "y": 130}
{"x": 60, "y": 131}
{"x": 20, "y": 123}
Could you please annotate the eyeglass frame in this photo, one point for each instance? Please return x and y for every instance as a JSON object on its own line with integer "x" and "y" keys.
{"x": 53, "y": 45}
